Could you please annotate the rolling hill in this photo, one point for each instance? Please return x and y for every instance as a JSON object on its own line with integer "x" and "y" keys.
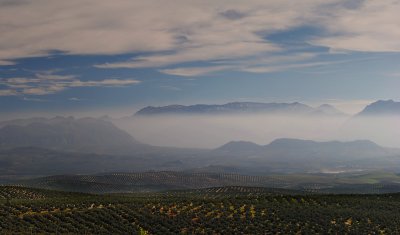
{"x": 372, "y": 182}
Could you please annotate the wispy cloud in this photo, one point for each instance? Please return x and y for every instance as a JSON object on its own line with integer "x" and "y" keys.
{"x": 276, "y": 68}
{"x": 371, "y": 27}
{"x": 8, "y": 92}
{"x": 198, "y": 53}
{"x": 103, "y": 83}
{"x": 6, "y": 62}
{"x": 34, "y": 99}
{"x": 74, "y": 99}
{"x": 48, "y": 83}
{"x": 194, "y": 71}
{"x": 255, "y": 65}
{"x": 171, "y": 88}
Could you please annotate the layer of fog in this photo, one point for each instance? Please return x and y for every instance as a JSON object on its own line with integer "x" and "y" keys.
{"x": 212, "y": 131}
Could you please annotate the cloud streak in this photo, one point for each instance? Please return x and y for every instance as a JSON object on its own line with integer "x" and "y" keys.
{"x": 48, "y": 83}
{"x": 194, "y": 71}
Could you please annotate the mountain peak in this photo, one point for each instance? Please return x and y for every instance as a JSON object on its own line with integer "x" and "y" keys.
{"x": 326, "y": 106}
{"x": 381, "y": 107}
{"x": 290, "y": 142}
{"x": 239, "y": 146}
{"x": 329, "y": 109}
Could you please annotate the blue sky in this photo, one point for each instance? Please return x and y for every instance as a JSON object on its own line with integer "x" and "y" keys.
{"x": 77, "y": 56}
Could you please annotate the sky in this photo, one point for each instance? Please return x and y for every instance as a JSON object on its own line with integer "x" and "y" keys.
{"x": 114, "y": 57}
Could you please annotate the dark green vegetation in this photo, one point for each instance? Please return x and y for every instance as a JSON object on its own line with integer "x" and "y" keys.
{"x": 367, "y": 183}
{"x": 228, "y": 210}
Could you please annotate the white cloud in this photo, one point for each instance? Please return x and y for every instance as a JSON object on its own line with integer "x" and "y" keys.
{"x": 48, "y": 83}
{"x": 374, "y": 27}
{"x": 190, "y": 31}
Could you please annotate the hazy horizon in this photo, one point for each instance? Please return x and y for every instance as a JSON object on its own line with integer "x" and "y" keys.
{"x": 212, "y": 131}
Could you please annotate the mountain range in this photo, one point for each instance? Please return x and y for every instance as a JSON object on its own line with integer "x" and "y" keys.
{"x": 241, "y": 108}
{"x": 380, "y": 107}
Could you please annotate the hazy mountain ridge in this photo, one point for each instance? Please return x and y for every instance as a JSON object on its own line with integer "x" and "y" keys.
{"x": 70, "y": 134}
{"x": 378, "y": 121}
{"x": 294, "y": 155}
{"x": 240, "y": 107}
{"x": 288, "y": 143}
{"x": 381, "y": 107}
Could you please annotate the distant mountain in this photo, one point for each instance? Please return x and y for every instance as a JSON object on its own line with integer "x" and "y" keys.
{"x": 239, "y": 147}
{"x": 287, "y": 144}
{"x": 329, "y": 109}
{"x": 381, "y": 108}
{"x": 306, "y": 155}
{"x": 237, "y": 107}
{"x": 366, "y": 145}
{"x": 66, "y": 133}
